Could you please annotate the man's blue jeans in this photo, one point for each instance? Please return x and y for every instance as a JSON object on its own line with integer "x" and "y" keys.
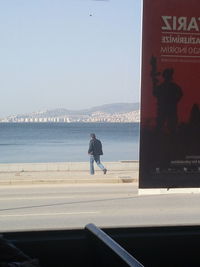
{"x": 95, "y": 158}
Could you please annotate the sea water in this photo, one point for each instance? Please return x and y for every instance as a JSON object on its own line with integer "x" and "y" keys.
{"x": 61, "y": 142}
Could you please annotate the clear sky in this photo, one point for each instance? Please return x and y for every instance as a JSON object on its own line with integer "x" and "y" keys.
{"x": 70, "y": 54}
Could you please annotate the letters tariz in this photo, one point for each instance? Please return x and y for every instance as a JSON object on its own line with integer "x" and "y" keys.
{"x": 173, "y": 23}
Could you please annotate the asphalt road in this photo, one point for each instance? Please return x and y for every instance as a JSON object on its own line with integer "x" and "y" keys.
{"x": 73, "y": 206}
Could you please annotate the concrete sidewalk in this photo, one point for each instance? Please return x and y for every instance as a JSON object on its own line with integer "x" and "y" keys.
{"x": 68, "y": 173}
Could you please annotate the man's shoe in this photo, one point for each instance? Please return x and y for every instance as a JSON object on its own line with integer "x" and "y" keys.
{"x": 104, "y": 171}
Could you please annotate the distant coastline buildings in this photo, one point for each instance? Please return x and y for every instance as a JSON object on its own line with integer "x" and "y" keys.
{"x": 121, "y": 112}
{"x": 133, "y": 116}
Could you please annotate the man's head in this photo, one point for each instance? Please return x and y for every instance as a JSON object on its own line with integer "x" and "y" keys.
{"x": 92, "y": 135}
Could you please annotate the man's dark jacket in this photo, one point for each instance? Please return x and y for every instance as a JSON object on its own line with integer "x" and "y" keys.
{"x": 95, "y": 147}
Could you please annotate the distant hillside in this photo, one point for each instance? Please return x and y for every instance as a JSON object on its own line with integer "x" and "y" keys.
{"x": 119, "y": 112}
{"x": 114, "y": 108}
{"x": 108, "y": 108}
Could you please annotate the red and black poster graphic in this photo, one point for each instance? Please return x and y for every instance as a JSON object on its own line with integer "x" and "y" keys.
{"x": 170, "y": 98}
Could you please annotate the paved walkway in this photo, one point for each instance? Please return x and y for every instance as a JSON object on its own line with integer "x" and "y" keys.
{"x": 72, "y": 177}
{"x": 67, "y": 172}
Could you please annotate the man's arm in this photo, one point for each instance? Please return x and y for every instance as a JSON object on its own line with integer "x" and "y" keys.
{"x": 100, "y": 148}
{"x": 90, "y": 150}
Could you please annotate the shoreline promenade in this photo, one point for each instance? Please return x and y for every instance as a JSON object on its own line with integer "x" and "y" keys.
{"x": 67, "y": 172}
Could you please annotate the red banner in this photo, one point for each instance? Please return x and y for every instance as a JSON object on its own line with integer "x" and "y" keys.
{"x": 170, "y": 98}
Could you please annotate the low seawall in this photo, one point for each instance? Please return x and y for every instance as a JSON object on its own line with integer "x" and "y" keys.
{"x": 67, "y": 166}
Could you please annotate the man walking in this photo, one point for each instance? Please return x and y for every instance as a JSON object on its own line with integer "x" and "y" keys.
{"x": 95, "y": 150}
